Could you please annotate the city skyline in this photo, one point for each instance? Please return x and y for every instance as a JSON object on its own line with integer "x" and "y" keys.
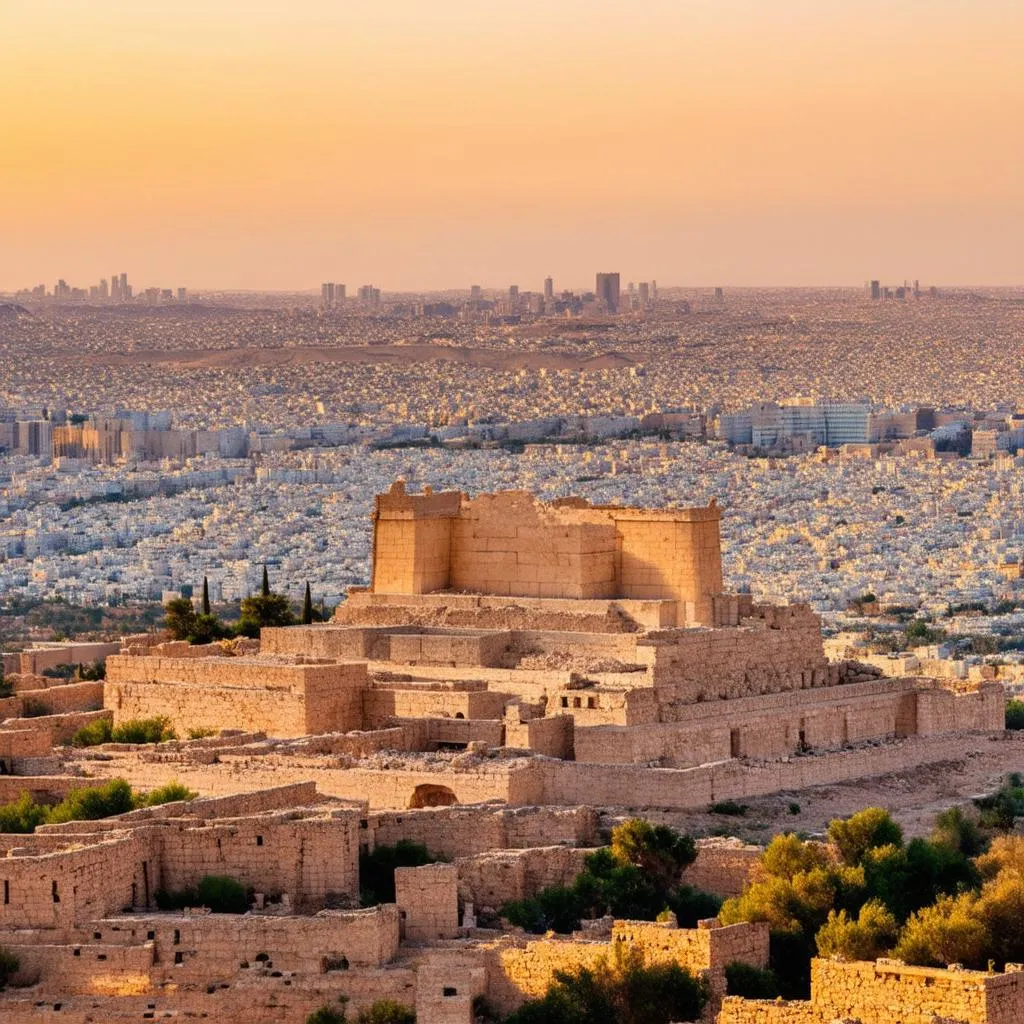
{"x": 701, "y": 143}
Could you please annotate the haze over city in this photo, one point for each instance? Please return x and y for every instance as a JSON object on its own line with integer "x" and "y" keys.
{"x": 424, "y": 146}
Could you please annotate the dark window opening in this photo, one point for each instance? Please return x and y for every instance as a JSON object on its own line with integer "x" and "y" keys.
{"x": 7, "y": 891}
{"x": 565, "y": 702}
{"x": 259, "y": 840}
{"x": 591, "y": 702}
{"x": 56, "y": 895}
{"x": 448, "y": 992}
{"x": 179, "y": 957}
{"x": 177, "y": 936}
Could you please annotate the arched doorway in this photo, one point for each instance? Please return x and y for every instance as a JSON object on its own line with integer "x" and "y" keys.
{"x": 430, "y": 795}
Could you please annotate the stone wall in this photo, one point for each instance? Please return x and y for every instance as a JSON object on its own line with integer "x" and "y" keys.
{"x": 498, "y": 876}
{"x": 237, "y": 693}
{"x": 524, "y": 970}
{"x": 510, "y": 544}
{"x": 428, "y": 902}
{"x": 468, "y": 831}
{"x": 723, "y": 866}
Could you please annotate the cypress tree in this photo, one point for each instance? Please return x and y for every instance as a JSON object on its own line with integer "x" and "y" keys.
{"x": 266, "y": 582}
{"x": 206, "y": 596}
{"x": 307, "y": 607}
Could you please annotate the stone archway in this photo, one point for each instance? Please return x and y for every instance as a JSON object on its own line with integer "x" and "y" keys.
{"x": 430, "y": 795}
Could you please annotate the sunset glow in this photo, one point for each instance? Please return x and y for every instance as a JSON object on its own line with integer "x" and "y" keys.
{"x": 225, "y": 144}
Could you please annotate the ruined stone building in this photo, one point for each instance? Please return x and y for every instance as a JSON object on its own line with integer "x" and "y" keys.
{"x": 512, "y": 666}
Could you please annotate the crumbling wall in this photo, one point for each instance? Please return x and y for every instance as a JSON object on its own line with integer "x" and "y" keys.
{"x": 308, "y": 859}
{"x": 428, "y": 902}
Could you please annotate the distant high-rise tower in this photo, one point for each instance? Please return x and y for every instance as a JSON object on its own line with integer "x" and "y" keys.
{"x": 876, "y": 290}
{"x": 339, "y": 294}
{"x": 182, "y": 294}
{"x": 126, "y": 292}
{"x": 327, "y": 295}
{"x": 719, "y": 295}
{"x": 645, "y": 293}
{"x": 608, "y": 291}
{"x": 917, "y": 288}
{"x": 475, "y": 293}
{"x": 104, "y": 289}
{"x": 654, "y": 291}
{"x": 513, "y": 294}
{"x": 549, "y": 289}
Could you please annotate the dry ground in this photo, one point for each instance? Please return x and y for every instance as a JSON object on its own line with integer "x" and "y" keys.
{"x": 913, "y": 797}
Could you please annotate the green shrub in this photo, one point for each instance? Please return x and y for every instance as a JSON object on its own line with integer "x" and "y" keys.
{"x": 1015, "y": 714}
{"x": 143, "y": 730}
{"x": 377, "y": 869}
{"x": 620, "y": 989}
{"x": 636, "y": 878}
{"x": 22, "y": 816}
{"x": 387, "y": 1011}
{"x": 327, "y": 1014}
{"x": 93, "y": 803}
{"x": 794, "y": 808}
{"x": 691, "y": 905}
{"x": 170, "y": 793}
{"x": 730, "y": 807}
{"x": 32, "y": 707}
{"x": 92, "y": 735}
{"x": 750, "y": 982}
{"x": 220, "y": 893}
{"x": 9, "y": 964}
{"x": 854, "y": 836}
{"x": 63, "y": 671}
{"x": 201, "y": 733}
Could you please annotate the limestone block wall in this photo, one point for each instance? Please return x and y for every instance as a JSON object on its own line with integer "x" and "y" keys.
{"x": 24, "y": 739}
{"x": 446, "y": 986}
{"x": 723, "y": 866}
{"x": 467, "y": 831}
{"x": 411, "y": 539}
{"x": 382, "y": 702}
{"x": 726, "y": 664}
{"x": 306, "y": 858}
{"x": 671, "y": 556}
{"x": 510, "y": 544}
{"x": 525, "y": 969}
{"x": 34, "y": 660}
{"x": 200, "y": 946}
{"x": 59, "y": 699}
{"x": 571, "y": 783}
{"x": 514, "y": 554}
{"x": 84, "y": 969}
{"x": 493, "y": 878}
{"x": 428, "y": 902}
{"x": 396, "y": 787}
{"x": 735, "y": 1010}
{"x": 940, "y": 710}
{"x": 881, "y": 992}
{"x": 66, "y": 888}
{"x": 237, "y": 693}
{"x": 328, "y": 641}
{"x": 550, "y": 736}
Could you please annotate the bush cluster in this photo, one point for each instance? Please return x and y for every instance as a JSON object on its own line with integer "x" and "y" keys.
{"x": 24, "y": 815}
{"x": 377, "y": 869}
{"x": 383, "y": 1011}
{"x": 866, "y": 893}
{"x": 637, "y": 878}
{"x": 135, "y": 730}
{"x": 619, "y": 989}
{"x": 220, "y": 893}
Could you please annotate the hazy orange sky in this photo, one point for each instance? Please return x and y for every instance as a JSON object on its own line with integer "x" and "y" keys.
{"x": 438, "y": 143}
